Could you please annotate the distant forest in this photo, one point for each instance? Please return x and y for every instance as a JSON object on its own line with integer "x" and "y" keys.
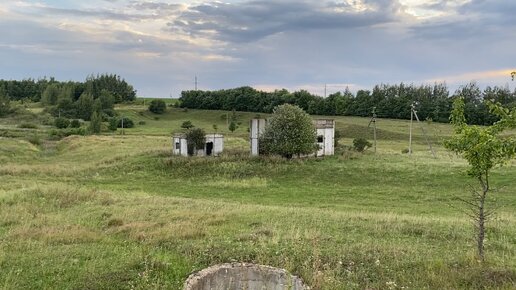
{"x": 72, "y": 99}
{"x": 391, "y": 101}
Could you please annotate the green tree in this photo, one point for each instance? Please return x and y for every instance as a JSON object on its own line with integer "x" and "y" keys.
{"x": 95, "y": 123}
{"x": 84, "y": 106}
{"x": 157, "y": 106}
{"x": 484, "y": 148}
{"x": 289, "y": 131}
{"x": 232, "y": 126}
{"x": 50, "y": 95}
{"x": 196, "y": 139}
{"x": 61, "y": 123}
{"x": 5, "y": 105}
{"x": 187, "y": 125}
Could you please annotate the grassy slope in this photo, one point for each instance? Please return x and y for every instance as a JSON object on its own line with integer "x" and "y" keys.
{"x": 120, "y": 212}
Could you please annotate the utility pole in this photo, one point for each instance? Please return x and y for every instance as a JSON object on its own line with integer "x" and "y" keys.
{"x": 413, "y": 113}
{"x": 373, "y": 120}
{"x": 410, "y": 132}
{"x": 325, "y": 87}
{"x": 196, "y": 83}
{"x": 123, "y": 133}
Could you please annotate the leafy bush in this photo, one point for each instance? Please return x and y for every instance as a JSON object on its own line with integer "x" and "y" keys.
{"x": 158, "y": 106}
{"x": 141, "y": 123}
{"x": 128, "y": 123}
{"x": 61, "y": 123}
{"x": 34, "y": 139}
{"x": 75, "y": 123}
{"x": 187, "y": 125}
{"x": 59, "y": 134}
{"x": 113, "y": 124}
{"x": 290, "y": 131}
{"x": 405, "y": 151}
{"x": 361, "y": 144}
{"x": 196, "y": 139}
{"x": 28, "y": 126}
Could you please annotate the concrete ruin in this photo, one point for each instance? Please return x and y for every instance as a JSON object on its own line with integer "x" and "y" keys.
{"x": 325, "y": 135}
{"x": 213, "y": 147}
{"x": 238, "y": 276}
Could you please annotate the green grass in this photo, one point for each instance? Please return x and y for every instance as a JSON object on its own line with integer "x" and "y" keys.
{"x": 119, "y": 212}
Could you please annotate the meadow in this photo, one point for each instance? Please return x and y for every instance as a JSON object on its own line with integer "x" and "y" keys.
{"x": 118, "y": 211}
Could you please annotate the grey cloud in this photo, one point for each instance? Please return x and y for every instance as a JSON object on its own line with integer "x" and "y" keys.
{"x": 154, "y": 6}
{"x": 103, "y": 14}
{"x": 254, "y": 20}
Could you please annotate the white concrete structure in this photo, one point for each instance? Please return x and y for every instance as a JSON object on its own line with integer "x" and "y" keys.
{"x": 256, "y": 128}
{"x": 325, "y": 135}
{"x": 213, "y": 147}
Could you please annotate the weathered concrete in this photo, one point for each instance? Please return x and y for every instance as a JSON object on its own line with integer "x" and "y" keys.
{"x": 243, "y": 276}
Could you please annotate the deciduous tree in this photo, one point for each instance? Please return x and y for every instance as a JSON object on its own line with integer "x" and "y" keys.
{"x": 484, "y": 148}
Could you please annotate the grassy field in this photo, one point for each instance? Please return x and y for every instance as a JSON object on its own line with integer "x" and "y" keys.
{"x": 119, "y": 212}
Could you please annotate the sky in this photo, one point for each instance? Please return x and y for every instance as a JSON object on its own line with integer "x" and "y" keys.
{"x": 160, "y": 46}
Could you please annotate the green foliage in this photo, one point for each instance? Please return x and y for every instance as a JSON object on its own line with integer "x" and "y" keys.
{"x": 85, "y": 106}
{"x": 484, "y": 148}
{"x": 113, "y": 123}
{"x": 62, "y": 133}
{"x": 61, "y": 123}
{"x": 187, "y": 125}
{"x": 26, "y": 125}
{"x": 289, "y": 131}
{"x": 50, "y": 95}
{"x": 95, "y": 123}
{"x": 34, "y": 140}
{"x": 232, "y": 126}
{"x": 361, "y": 144}
{"x": 126, "y": 122}
{"x": 196, "y": 139}
{"x": 157, "y": 106}
{"x": 5, "y": 105}
{"x": 75, "y": 123}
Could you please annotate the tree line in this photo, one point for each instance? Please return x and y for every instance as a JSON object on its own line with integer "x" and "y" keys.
{"x": 433, "y": 102}
{"x": 71, "y": 99}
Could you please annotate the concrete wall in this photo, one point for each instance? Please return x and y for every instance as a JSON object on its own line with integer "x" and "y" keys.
{"x": 179, "y": 146}
{"x": 238, "y": 276}
{"x": 256, "y": 128}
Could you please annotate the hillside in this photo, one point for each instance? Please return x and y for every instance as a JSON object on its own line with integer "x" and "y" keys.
{"x": 119, "y": 211}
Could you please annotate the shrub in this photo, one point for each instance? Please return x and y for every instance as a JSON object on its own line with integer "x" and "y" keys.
{"x": 59, "y": 134}
{"x": 75, "y": 123}
{"x": 113, "y": 124}
{"x": 361, "y": 144}
{"x": 158, "y": 106}
{"x": 34, "y": 139}
{"x": 61, "y": 123}
{"x": 187, "y": 125}
{"x": 128, "y": 123}
{"x": 196, "y": 139}
{"x": 141, "y": 123}
{"x": 405, "y": 151}
{"x": 28, "y": 126}
{"x": 290, "y": 131}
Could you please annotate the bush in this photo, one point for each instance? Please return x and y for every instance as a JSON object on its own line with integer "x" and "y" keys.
{"x": 28, "y": 126}
{"x": 59, "y": 134}
{"x": 128, "y": 123}
{"x": 290, "y": 131}
{"x": 158, "y": 106}
{"x": 361, "y": 144}
{"x": 113, "y": 124}
{"x": 405, "y": 151}
{"x": 141, "y": 123}
{"x": 34, "y": 139}
{"x": 75, "y": 123}
{"x": 61, "y": 123}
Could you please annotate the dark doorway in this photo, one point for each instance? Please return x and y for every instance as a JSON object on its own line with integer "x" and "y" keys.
{"x": 209, "y": 148}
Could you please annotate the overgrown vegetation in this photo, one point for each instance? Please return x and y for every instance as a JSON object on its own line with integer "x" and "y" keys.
{"x": 157, "y": 106}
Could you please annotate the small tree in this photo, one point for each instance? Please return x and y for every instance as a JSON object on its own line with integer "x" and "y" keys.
{"x": 95, "y": 123}
{"x": 484, "y": 148}
{"x": 187, "y": 125}
{"x": 290, "y": 131}
{"x": 5, "y": 105}
{"x": 232, "y": 126}
{"x": 196, "y": 138}
{"x": 361, "y": 144}
{"x": 157, "y": 106}
{"x": 61, "y": 123}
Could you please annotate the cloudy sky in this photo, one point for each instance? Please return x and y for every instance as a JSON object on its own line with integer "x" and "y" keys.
{"x": 159, "y": 46}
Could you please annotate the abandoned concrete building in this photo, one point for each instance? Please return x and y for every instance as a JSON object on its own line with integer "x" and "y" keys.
{"x": 213, "y": 147}
{"x": 325, "y": 135}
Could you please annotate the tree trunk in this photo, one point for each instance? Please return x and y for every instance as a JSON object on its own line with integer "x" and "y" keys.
{"x": 484, "y": 182}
